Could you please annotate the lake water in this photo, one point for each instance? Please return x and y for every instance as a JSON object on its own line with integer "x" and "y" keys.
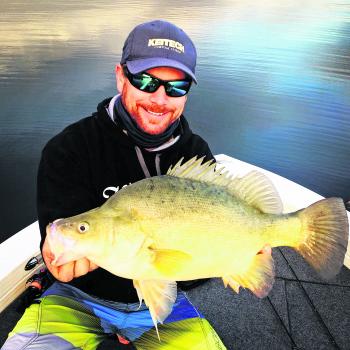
{"x": 274, "y": 83}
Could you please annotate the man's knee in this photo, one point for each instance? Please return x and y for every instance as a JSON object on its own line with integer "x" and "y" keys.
{"x": 35, "y": 341}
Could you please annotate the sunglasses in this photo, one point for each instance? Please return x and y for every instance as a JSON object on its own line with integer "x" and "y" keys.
{"x": 148, "y": 83}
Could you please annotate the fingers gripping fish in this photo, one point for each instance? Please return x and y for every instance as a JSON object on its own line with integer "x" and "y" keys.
{"x": 198, "y": 222}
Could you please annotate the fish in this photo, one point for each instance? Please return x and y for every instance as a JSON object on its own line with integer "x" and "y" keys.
{"x": 199, "y": 221}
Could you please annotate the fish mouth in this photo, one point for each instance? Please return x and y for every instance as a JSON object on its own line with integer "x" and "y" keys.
{"x": 60, "y": 244}
{"x": 60, "y": 260}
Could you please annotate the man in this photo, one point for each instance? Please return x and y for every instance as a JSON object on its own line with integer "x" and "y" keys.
{"x": 136, "y": 134}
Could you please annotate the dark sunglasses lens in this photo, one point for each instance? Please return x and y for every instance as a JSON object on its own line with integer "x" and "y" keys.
{"x": 147, "y": 83}
{"x": 178, "y": 88}
{"x": 144, "y": 82}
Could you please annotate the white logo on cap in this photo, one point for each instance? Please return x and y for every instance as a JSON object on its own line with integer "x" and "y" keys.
{"x": 167, "y": 44}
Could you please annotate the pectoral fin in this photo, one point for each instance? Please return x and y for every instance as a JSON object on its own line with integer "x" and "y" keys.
{"x": 168, "y": 261}
{"x": 159, "y": 296}
{"x": 259, "y": 277}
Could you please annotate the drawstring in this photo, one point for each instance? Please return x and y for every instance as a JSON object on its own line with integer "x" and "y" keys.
{"x": 143, "y": 163}
{"x": 158, "y": 164}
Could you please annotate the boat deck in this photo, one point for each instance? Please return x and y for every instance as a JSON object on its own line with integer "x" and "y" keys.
{"x": 301, "y": 311}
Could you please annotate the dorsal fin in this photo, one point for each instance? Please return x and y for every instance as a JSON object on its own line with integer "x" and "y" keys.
{"x": 255, "y": 188}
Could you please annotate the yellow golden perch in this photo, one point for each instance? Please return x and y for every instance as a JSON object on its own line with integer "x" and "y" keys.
{"x": 198, "y": 222}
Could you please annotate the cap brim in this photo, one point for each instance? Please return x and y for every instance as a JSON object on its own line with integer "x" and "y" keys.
{"x": 138, "y": 66}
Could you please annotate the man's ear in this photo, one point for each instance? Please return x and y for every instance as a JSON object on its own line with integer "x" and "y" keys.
{"x": 120, "y": 78}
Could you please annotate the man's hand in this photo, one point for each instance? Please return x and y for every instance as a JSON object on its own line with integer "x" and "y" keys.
{"x": 68, "y": 271}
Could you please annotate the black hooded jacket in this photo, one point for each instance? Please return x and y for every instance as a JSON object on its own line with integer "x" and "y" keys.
{"x": 79, "y": 165}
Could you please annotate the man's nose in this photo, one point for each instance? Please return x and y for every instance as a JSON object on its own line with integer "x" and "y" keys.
{"x": 159, "y": 96}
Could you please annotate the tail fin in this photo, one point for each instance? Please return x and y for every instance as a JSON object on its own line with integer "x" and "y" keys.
{"x": 326, "y": 226}
{"x": 347, "y": 205}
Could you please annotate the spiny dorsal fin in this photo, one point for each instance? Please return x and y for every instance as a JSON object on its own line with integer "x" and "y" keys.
{"x": 254, "y": 188}
{"x": 194, "y": 169}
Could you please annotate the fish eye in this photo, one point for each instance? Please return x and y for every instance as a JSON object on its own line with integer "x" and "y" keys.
{"x": 83, "y": 227}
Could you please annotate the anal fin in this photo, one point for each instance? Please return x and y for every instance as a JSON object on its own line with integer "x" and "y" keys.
{"x": 259, "y": 277}
{"x": 159, "y": 296}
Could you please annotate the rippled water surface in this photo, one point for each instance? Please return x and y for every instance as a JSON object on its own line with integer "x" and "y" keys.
{"x": 274, "y": 83}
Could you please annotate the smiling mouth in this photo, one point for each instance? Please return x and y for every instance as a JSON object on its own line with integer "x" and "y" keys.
{"x": 156, "y": 113}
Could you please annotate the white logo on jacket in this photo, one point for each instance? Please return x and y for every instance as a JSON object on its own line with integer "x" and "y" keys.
{"x": 112, "y": 189}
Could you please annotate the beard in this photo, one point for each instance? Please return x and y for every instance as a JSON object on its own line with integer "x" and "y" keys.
{"x": 150, "y": 117}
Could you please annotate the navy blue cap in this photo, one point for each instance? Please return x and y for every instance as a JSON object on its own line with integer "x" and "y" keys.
{"x": 159, "y": 44}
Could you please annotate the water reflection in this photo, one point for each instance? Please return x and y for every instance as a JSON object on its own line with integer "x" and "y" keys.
{"x": 274, "y": 83}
